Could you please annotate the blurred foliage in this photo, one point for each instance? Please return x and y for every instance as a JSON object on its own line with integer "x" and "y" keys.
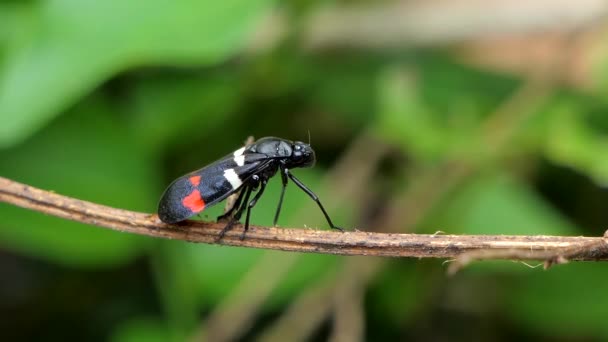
{"x": 108, "y": 101}
{"x": 72, "y": 46}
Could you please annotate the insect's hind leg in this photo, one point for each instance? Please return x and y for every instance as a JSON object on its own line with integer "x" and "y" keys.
{"x": 235, "y": 206}
{"x": 251, "y": 205}
{"x": 237, "y": 216}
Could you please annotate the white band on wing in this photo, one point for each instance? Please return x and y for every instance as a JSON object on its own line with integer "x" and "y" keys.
{"x": 239, "y": 152}
{"x": 240, "y": 160}
{"x": 233, "y": 178}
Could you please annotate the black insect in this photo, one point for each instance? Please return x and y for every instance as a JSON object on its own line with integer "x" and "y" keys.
{"x": 246, "y": 170}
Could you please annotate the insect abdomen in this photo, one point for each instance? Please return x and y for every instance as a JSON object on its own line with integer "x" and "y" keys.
{"x": 182, "y": 199}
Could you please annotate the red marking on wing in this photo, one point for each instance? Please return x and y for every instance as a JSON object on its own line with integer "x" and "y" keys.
{"x": 194, "y": 201}
{"x": 195, "y": 180}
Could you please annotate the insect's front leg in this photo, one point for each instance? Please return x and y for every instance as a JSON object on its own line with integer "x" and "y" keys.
{"x": 314, "y": 198}
{"x": 284, "y": 180}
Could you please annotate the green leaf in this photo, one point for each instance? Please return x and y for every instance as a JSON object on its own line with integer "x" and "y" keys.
{"x": 400, "y": 290}
{"x": 142, "y": 329}
{"x": 79, "y": 44}
{"x": 89, "y": 156}
{"x": 405, "y": 119}
{"x": 495, "y": 203}
{"x": 179, "y": 294}
{"x": 571, "y": 142}
{"x": 178, "y": 108}
{"x": 566, "y": 301}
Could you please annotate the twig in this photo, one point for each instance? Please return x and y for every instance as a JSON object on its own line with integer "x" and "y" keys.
{"x": 550, "y": 257}
{"x": 301, "y": 240}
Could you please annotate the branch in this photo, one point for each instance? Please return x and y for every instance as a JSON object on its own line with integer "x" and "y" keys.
{"x": 303, "y": 240}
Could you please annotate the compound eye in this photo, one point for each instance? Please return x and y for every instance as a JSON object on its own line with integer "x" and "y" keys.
{"x": 298, "y": 147}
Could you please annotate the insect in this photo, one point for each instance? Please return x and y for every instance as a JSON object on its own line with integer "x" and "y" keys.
{"x": 248, "y": 169}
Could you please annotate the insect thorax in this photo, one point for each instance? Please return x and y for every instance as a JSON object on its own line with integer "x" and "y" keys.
{"x": 272, "y": 147}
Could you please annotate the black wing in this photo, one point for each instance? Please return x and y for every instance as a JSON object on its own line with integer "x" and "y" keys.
{"x": 192, "y": 193}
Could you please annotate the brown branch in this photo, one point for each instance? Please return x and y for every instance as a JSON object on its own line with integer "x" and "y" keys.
{"x": 550, "y": 257}
{"x": 303, "y": 240}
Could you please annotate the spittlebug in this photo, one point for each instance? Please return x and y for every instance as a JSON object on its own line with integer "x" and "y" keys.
{"x": 246, "y": 170}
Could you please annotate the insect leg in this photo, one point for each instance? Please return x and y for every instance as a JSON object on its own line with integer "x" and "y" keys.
{"x": 239, "y": 212}
{"x": 251, "y": 205}
{"x": 284, "y": 180}
{"x": 314, "y": 198}
{"x": 235, "y": 206}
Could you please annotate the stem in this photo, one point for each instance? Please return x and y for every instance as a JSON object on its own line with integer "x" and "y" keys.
{"x": 550, "y": 248}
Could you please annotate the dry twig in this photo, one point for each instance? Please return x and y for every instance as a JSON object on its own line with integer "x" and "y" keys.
{"x": 304, "y": 240}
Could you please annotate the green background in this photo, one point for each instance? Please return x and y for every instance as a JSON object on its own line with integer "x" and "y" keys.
{"x": 108, "y": 101}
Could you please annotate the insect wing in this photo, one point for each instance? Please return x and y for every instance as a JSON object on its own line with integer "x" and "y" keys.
{"x": 219, "y": 182}
{"x": 192, "y": 193}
